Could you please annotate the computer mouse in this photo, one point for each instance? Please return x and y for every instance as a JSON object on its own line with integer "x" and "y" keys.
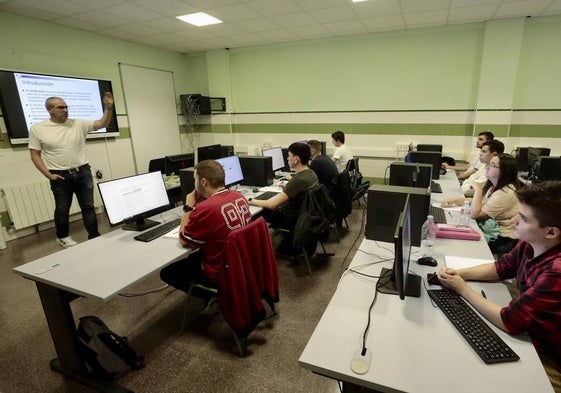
{"x": 255, "y": 190}
{"x": 428, "y": 261}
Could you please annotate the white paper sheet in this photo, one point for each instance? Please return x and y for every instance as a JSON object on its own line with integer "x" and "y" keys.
{"x": 462, "y": 263}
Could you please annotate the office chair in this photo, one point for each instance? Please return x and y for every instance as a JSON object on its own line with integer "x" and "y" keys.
{"x": 317, "y": 213}
{"x": 249, "y": 275}
{"x": 343, "y": 198}
{"x": 361, "y": 192}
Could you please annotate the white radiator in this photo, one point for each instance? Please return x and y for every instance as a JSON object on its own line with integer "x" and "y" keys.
{"x": 33, "y": 203}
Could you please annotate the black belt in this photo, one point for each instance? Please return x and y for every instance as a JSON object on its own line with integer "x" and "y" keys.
{"x": 71, "y": 170}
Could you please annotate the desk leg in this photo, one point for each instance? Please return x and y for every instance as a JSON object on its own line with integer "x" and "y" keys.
{"x": 56, "y": 305}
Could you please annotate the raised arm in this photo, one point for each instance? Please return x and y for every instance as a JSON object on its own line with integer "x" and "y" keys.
{"x": 108, "y": 105}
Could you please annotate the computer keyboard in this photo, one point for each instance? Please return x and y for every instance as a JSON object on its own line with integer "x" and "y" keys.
{"x": 435, "y": 187}
{"x": 486, "y": 343}
{"x": 438, "y": 214}
{"x": 158, "y": 231}
{"x": 266, "y": 195}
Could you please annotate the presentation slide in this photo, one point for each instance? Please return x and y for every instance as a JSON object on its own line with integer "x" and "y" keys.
{"x": 81, "y": 96}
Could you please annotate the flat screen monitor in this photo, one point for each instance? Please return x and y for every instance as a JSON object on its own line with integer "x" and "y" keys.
{"x": 398, "y": 281}
{"x": 276, "y": 154}
{"x": 23, "y": 95}
{"x": 534, "y": 154}
{"x": 177, "y": 162}
{"x": 157, "y": 164}
{"x": 549, "y": 169}
{"x": 232, "y": 170}
{"x": 132, "y": 199}
{"x": 428, "y": 157}
{"x": 410, "y": 174}
{"x": 210, "y": 152}
{"x": 426, "y": 147}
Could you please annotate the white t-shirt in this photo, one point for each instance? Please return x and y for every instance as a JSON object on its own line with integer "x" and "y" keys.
{"x": 62, "y": 145}
{"x": 478, "y": 177}
{"x": 343, "y": 154}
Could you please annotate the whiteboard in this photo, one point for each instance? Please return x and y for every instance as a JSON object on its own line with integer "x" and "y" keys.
{"x": 152, "y": 114}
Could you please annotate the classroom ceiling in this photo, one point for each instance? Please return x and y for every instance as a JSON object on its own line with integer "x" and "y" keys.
{"x": 257, "y": 22}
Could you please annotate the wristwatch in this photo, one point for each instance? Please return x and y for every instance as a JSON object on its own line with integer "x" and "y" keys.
{"x": 187, "y": 208}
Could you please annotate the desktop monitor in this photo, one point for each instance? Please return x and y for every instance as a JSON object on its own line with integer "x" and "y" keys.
{"x": 179, "y": 161}
{"x": 211, "y": 152}
{"x": 425, "y": 147}
{"x": 157, "y": 164}
{"x": 410, "y": 174}
{"x": 276, "y": 154}
{"x": 232, "y": 170}
{"x": 398, "y": 281}
{"x": 428, "y": 157}
{"x": 226, "y": 151}
{"x": 549, "y": 168}
{"x": 383, "y": 208}
{"x": 534, "y": 154}
{"x": 131, "y": 199}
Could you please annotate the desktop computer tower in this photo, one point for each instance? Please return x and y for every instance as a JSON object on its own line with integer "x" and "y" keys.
{"x": 385, "y": 203}
{"x": 187, "y": 182}
{"x": 226, "y": 151}
{"x": 257, "y": 171}
{"x": 410, "y": 174}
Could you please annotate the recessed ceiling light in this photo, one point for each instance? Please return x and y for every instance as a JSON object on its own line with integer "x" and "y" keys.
{"x": 358, "y": 1}
{"x": 199, "y": 19}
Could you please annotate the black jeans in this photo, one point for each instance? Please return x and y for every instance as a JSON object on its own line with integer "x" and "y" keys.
{"x": 78, "y": 182}
{"x": 502, "y": 245}
{"x": 179, "y": 274}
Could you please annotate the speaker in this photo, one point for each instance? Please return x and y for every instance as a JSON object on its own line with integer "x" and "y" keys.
{"x": 410, "y": 174}
{"x": 385, "y": 203}
{"x": 257, "y": 170}
{"x": 201, "y": 104}
{"x": 187, "y": 182}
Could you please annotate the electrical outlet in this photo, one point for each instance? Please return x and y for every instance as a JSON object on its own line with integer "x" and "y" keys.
{"x": 402, "y": 147}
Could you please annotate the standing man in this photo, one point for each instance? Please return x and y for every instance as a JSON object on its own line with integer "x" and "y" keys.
{"x": 58, "y": 151}
{"x": 342, "y": 154}
{"x": 476, "y": 164}
{"x": 323, "y": 166}
{"x": 211, "y": 212}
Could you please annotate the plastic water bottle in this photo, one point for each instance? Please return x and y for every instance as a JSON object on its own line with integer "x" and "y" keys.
{"x": 465, "y": 214}
{"x": 428, "y": 234}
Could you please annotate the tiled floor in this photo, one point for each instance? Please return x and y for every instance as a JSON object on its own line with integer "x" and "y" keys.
{"x": 203, "y": 359}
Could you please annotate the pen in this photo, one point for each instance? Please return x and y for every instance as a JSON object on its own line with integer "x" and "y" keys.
{"x": 483, "y": 294}
{"x": 450, "y": 214}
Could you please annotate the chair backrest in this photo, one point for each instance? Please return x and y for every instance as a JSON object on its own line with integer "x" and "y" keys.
{"x": 351, "y": 165}
{"x": 250, "y": 274}
{"x": 343, "y": 195}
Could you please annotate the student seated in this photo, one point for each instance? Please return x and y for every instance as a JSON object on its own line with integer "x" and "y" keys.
{"x": 496, "y": 200}
{"x": 470, "y": 169}
{"x": 535, "y": 262}
{"x": 489, "y": 149}
{"x": 342, "y": 154}
{"x": 282, "y": 209}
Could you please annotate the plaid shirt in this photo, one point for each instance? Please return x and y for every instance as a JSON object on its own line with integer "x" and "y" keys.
{"x": 537, "y": 309}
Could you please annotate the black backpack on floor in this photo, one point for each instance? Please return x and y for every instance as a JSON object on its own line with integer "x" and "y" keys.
{"x": 106, "y": 354}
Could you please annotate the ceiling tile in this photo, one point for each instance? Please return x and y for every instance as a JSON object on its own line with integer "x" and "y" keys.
{"x": 169, "y": 24}
{"x": 336, "y": 14}
{"x": 257, "y": 25}
{"x": 311, "y": 31}
{"x": 472, "y": 13}
{"x": 294, "y": 20}
{"x": 134, "y": 13}
{"x": 274, "y": 7}
{"x": 411, "y": 6}
{"x": 278, "y": 35}
{"x": 62, "y": 7}
{"x": 423, "y": 19}
{"x": 102, "y": 19}
{"x": 168, "y": 7}
{"x": 319, "y": 4}
{"x": 394, "y": 22}
{"x": 345, "y": 27}
{"x": 520, "y": 8}
{"x": 31, "y": 12}
{"x": 377, "y": 8}
{"x": 234, "y": 12}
